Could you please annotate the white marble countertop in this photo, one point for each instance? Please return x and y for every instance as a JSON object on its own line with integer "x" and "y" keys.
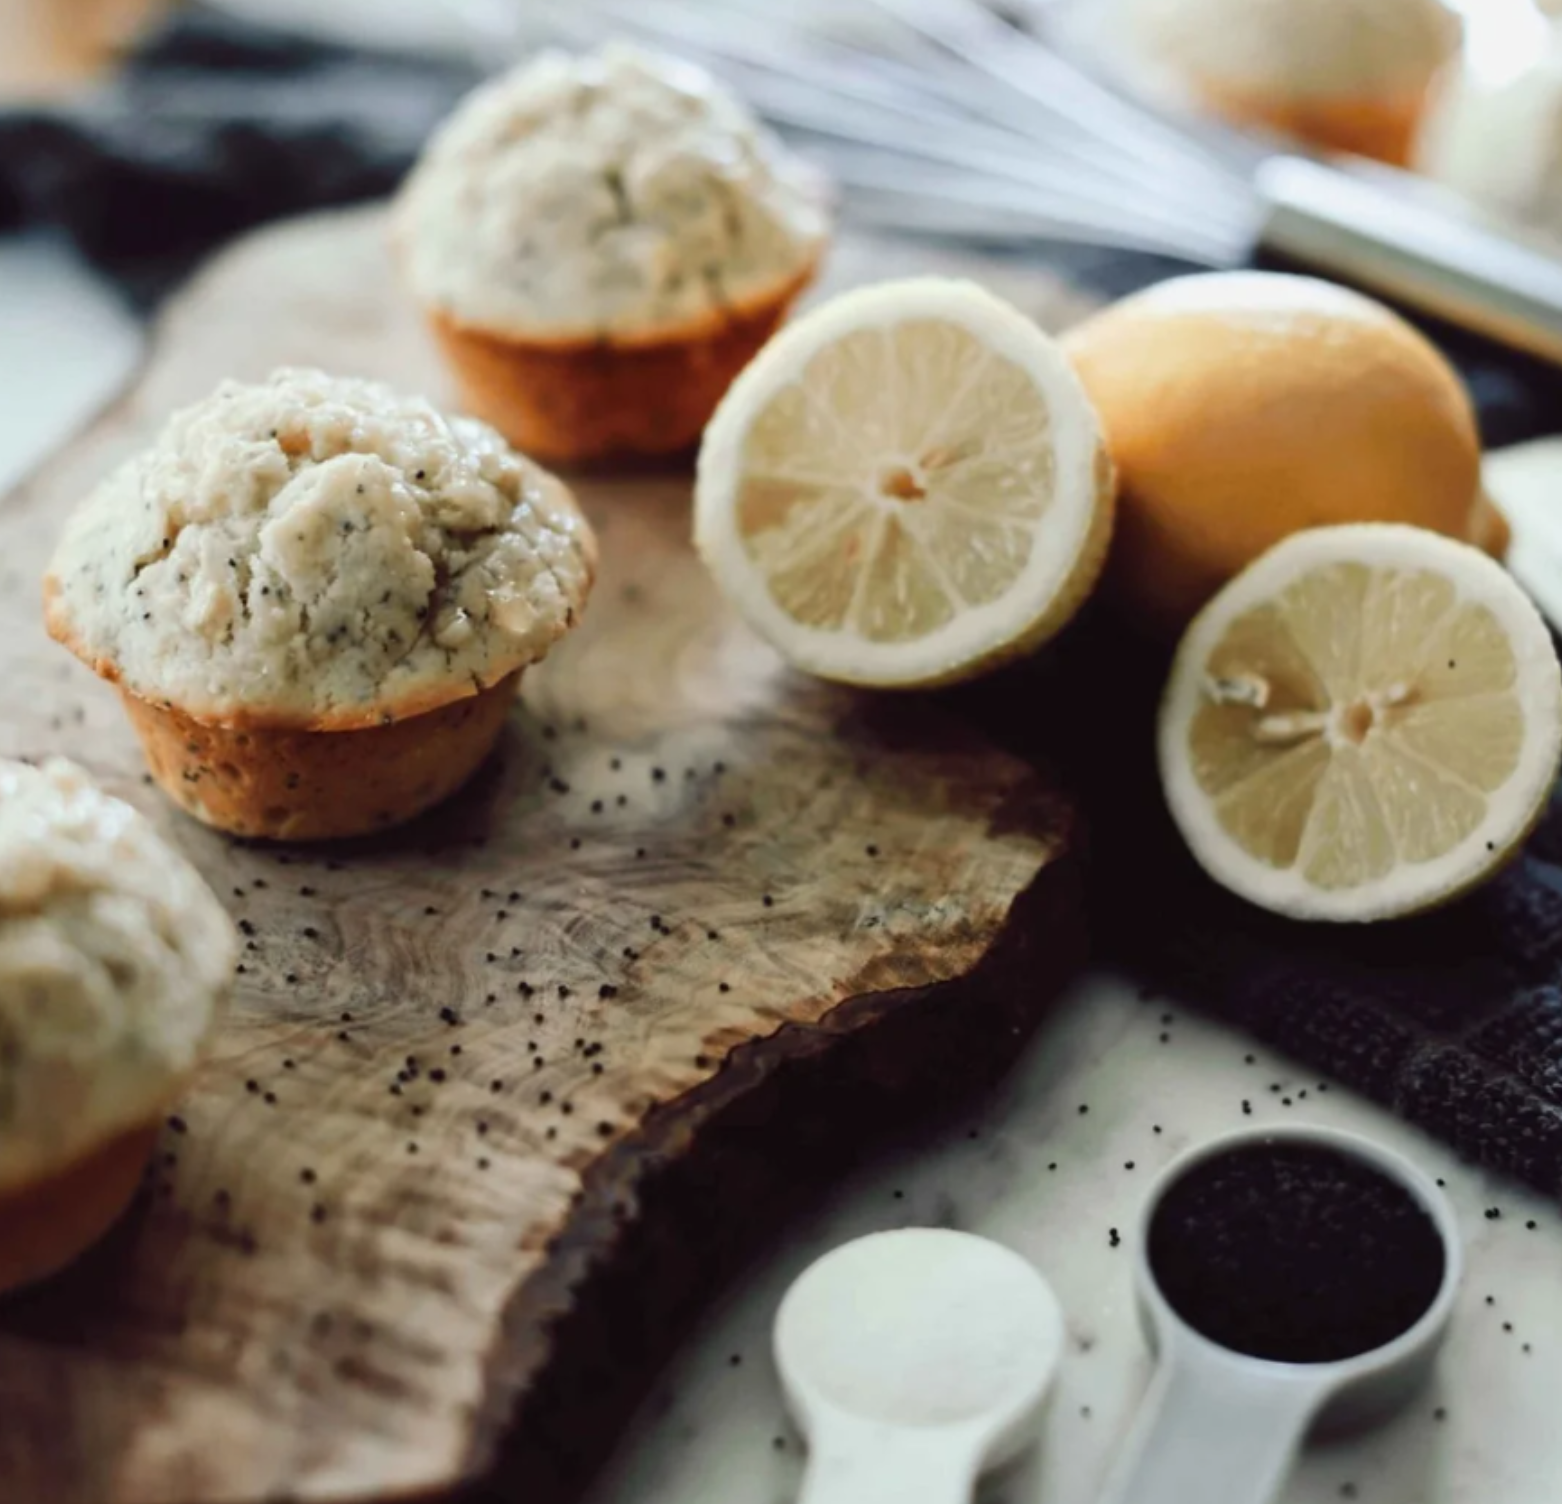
{"x": 1029, "y": 1166}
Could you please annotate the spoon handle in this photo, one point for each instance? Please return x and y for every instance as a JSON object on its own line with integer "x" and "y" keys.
{"x": 1206, "y": 1433}
{"x": 851, "y": 1462}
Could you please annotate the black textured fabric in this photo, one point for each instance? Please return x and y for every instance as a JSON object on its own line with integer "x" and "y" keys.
{"x": 1454, "y": 1020}
{"x": 212, "y": 126}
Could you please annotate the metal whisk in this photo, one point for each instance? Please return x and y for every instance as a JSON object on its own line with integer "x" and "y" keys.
{"x": 943, "y": 117}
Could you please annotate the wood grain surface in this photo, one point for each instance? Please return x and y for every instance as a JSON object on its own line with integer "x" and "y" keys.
{"x": 504, "y": 1094}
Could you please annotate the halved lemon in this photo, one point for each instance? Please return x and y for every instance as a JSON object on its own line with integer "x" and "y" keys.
{"x": 1363, "y": 724}
{"x": 906, "y": 487}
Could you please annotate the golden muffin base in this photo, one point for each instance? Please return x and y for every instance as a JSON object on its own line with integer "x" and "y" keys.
{"x": 582, "y": 401}
{"x": 1384, "y": 129}
{"x": 287, "y": 784}
{"x": 44, "y": 1226}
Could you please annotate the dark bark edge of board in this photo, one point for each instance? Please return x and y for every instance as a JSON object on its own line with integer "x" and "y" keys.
{"x": 643, "y": 1251}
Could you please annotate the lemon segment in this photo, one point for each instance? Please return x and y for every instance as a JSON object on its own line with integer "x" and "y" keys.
{"x": 1364, "y": 724}
{"x": 906, "y": 487}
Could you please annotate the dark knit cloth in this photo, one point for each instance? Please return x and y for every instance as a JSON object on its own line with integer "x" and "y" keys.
{"x": 1453, "y": 1020}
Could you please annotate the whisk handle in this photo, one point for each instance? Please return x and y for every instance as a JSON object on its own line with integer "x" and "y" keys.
{"x": 1405, "y": 239}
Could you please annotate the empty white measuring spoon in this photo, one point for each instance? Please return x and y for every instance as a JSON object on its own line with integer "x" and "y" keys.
{"x": 914, "y": 1361}
{"x": 1220, "y": 1427}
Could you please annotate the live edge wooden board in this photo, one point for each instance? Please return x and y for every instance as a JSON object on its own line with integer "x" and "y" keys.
{"x": 502, "y": 1095}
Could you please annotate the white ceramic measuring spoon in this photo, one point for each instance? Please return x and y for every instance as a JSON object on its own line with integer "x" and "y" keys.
{"x": 913, "y": 1361}
{"x": 1219, "y": 1427}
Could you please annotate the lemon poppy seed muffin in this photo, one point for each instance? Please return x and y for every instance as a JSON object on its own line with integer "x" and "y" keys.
{"x": 317, "y": 596}
{"x": 1342, "y": 75}
{"x": 600, "y": 243}
{"x": 115, "y": 964}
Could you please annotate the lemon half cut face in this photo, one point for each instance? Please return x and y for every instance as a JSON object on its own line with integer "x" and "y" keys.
{"x": 906, "y": 487}
{"x": 1364, "y": 724}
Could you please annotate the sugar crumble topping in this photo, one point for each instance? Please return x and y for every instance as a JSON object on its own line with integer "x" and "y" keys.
{"x": 319, "y": 551}
{"x": 613, "y": 194}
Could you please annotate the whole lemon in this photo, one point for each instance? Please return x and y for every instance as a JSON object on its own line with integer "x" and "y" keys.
{"x": 1241, "y": 407}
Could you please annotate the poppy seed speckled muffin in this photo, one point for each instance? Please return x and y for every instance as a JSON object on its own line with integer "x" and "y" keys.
{"x": 115, "y": 964}
{"x": 317, "y": 597}
{"x": 601, "y": 243}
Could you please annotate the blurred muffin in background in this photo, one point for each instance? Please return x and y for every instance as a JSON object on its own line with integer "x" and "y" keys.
{"x": 1339, "y": 75}
{"x": 1498, "y": 141}
{"x": 601, "y": 243}
{"x": 115, "y": 965}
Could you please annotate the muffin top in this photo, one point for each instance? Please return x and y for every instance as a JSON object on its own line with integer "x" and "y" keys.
{"x": 1301, "y": 48}
{"x": 115, "y": 961}
{"x": 318, "y": 552}
{"x": 622, "y": 194}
